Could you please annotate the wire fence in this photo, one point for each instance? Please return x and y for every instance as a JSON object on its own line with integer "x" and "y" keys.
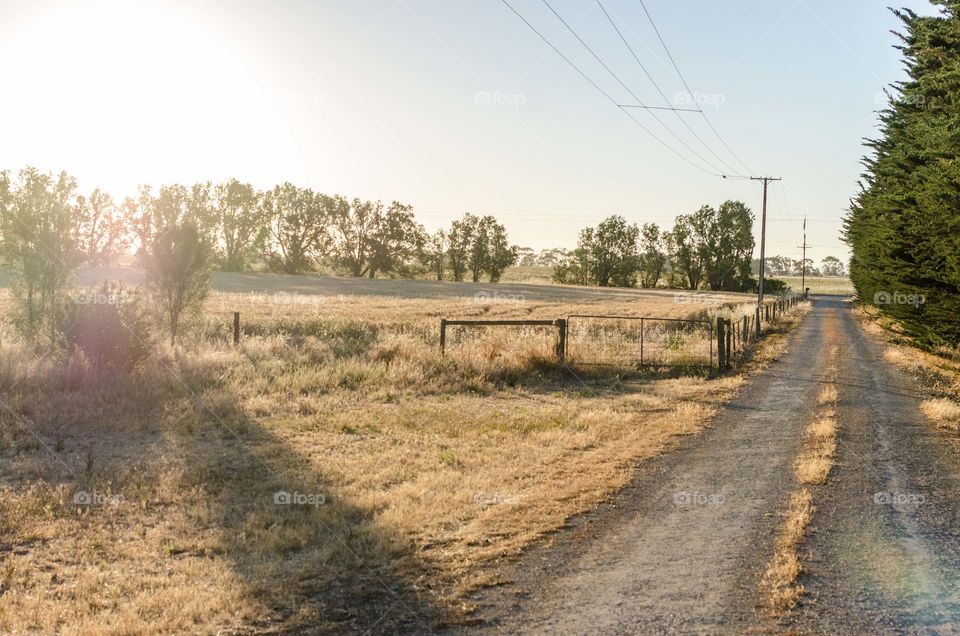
{"x": 639, "y": 341}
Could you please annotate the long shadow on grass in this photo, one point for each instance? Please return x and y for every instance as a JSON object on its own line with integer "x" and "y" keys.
{"x": 318, "y": 561}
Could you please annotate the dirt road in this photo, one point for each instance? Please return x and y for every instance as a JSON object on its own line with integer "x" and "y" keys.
{"x": 683, "y": 548}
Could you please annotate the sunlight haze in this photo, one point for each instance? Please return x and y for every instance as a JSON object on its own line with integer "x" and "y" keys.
{"x": 454, "y": 106}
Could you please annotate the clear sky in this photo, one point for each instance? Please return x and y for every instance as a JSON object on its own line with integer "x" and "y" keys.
{"x": 456, "y": 105}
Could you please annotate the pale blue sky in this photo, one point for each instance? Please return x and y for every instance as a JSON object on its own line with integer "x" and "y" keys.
{"x": 456, "y": 105}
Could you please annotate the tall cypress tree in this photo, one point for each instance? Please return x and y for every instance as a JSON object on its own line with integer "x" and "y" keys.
{"x": 904, "y": 225}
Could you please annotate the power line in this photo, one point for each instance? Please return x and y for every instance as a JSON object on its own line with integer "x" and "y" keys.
{"x": 687, "y": 88}
{"x": 604, "y": 93}
{"x": 662, "y": 94}
{"x": 627, "y": 88}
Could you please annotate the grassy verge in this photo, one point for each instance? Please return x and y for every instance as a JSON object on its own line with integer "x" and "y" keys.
{"x": 938, "y": 369}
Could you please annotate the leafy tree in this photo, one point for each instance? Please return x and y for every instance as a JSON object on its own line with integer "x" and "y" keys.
{"x": 575, "y": 268}
{"x": 712, "y": 246}
{"x": 499, "y": 253}
{"x": 832, "y": 266}
{"x": 526, "y": 256}
{"x": 240, "y": 223}
{"x": 478, "y": 253}
{"x": 396, "y": 240}
{"x": 460, "y": 240}
{"x": 300, "y": 223}
{"x": 177, "y": 264}
{"x": 727, "y": 246}
{"x": 606, "y": 255}
{"x": 101, "y": 229}
{"x": 684, "y": 252}
{"x": 171, "y": 206}
{"x": 371, "y": 239}
{"x": 653, "y": 258}
{"x": 551, "y": 257}
{"x": 36, "y": 223}
{"x": 434, "y": 253}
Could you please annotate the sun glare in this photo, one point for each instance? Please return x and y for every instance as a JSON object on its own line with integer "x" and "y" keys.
{"x": 123, "y": 93}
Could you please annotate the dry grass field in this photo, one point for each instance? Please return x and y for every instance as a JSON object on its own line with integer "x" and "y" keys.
{"x": 828, "y": 285}
{"x": 333, "y": 471}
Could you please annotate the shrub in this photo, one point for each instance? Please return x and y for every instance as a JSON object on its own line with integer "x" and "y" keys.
{"x": 110, "y": 327}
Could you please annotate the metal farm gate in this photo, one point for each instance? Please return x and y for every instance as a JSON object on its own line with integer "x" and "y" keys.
{"x": 644, "y": 342}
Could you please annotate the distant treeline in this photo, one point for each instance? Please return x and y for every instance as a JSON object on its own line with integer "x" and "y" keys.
{"x": 711, "y": 248}
{"x": 785, "y": 266}
{"x": 286, "y": 229}
{"x": 904, "y": 225}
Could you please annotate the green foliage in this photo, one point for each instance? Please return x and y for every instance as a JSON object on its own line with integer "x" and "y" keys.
{"x": 36, "y": 223}
{"x": 771, "y": 286}
{"x": 712, "y": 247}
{"x": 299, "y": 221}
{"x": 903, "y": 227}
{"x": 606, "y": 256}
{"x": 177, "y": 265}
{"x": 478, "y": 245}
{"x": 110, "y": 326}
{"x": 240, "y": 223}
{"x": 653, "y": 257}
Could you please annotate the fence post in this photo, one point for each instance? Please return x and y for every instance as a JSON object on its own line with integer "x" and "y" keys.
{"x": 757, "y": 319}
{"x": 561, "y": 339}
{"x": 641, "y": 345}
{"x": 721, "y": 345}
{"x": 236, "y": 327}
{"x": 746, "y": 329}
{"x": 730, "y": 343}
{"x": 443, "y": 335}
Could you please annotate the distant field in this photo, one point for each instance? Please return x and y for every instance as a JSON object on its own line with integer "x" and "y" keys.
{"x": 838, "y": 285}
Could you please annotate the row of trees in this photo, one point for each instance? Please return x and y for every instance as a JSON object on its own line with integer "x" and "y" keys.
{"x": 786, "y": 266}
{"x": 289, "y": 228}
{"x": 179, "y": 234}
{"x": 903, "y": 227}
{"x": 711, "y": 248}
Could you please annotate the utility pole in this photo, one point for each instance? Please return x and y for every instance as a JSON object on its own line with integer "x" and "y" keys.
{"x": 803, "y": 277}
{"x": 763, "y": 234}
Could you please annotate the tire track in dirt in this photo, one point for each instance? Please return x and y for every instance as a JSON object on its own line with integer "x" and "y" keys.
{"x": 885, "y": 554}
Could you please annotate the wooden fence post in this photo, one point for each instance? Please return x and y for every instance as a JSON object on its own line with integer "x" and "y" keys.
{"x": 756, "y": 319}
{"x": 236, "y": 327}
{"x": 730, "y": 343}
{"x": 746, "y": 329}
{"x": 721, "y": 345}
{"x": 561, "y": 339}
{"x": 443, "y": 335}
